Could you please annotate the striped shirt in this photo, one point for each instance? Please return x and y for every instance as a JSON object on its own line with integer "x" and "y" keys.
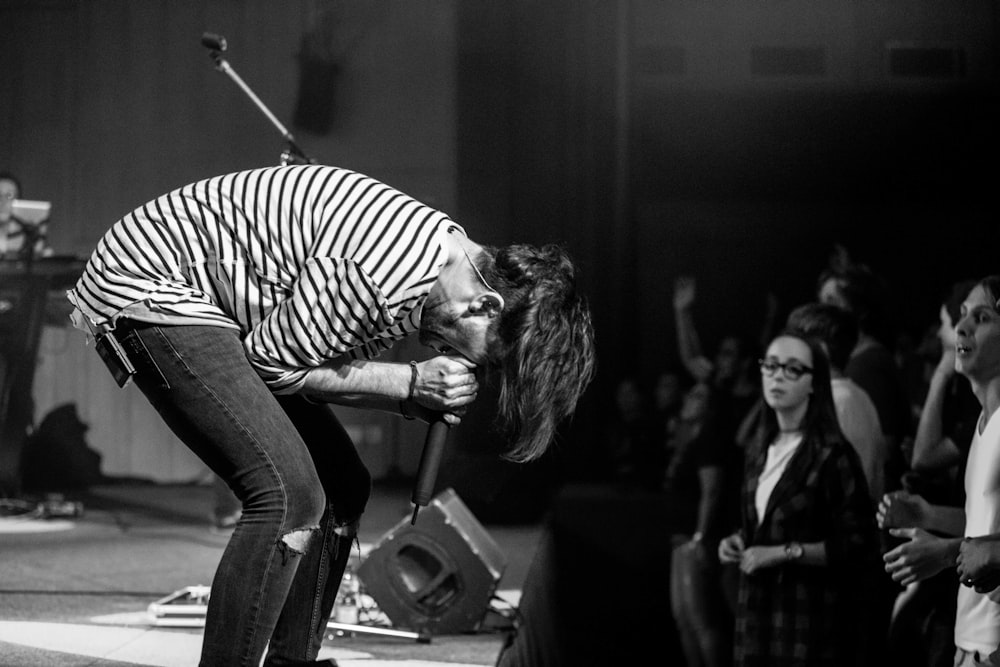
{"x": 308, "y": 262}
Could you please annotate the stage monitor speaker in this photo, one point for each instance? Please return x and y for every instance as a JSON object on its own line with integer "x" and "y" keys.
{"x": 437, "y": 576}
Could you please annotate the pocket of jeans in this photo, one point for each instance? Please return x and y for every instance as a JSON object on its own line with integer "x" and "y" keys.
{"x": 143, "y": 361}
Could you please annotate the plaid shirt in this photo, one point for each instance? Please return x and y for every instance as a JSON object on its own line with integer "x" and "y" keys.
{"x": 795, "y": 614}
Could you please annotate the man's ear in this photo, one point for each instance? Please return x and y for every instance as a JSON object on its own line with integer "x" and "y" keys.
{"x": 488, "y": 303}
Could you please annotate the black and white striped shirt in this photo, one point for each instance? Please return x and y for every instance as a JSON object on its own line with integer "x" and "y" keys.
{"x": 308, "y": 262}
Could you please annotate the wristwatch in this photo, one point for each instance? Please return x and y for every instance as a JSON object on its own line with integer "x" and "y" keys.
{"x": 793, "y": 551}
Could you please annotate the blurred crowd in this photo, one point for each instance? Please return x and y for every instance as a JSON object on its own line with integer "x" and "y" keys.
{"x": 838, "y": 504}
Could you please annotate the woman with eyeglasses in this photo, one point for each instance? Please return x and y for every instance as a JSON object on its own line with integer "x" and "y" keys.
{"x": 808, "y": 546}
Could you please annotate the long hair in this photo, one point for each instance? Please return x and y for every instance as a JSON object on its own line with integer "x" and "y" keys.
{"x": 991, "y": 285}
{"x": 819, "y": 425}
{"x": 542, "y": 342}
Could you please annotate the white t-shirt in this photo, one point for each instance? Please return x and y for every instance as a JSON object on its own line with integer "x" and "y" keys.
{"x": 858, "y": 418}
{"x": 778, "y": 456}
{"x": 977, "y": 623}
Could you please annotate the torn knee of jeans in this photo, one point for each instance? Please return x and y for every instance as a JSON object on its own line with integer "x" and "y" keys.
{"x": 296, "y": 542}
{"x": 348, "y": 528}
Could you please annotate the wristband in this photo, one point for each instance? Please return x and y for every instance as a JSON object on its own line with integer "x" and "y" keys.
{"x": 409, "y": 394}
{"x": 413, "y": 380}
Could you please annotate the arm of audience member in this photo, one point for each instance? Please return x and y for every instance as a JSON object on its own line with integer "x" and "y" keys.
{"x": 922, "y": 555}
{"x": 731, "y": 548}
{"x": 688, "y": 343}
{"x": 710, "y": 504}
{"x": 852, "y": 532}
{"x": 978, "y": 564}
{"x": 748, "y": 425}
{"x": 762, "y": 557}
{"x": 932, "y": 450}
{"x": 902, "y": 509}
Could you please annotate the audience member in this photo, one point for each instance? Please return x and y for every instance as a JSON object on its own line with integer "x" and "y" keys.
{"x": 872, "y": 365}
{"x": 736, "y": 390}
{"x": 808, "y": 546}
{"x": 695, "y": 484}
{"x": 729, "y": 369}
{"x": 627, "y": 437}
{"x": 837, "y": 331}
{"x": 923, "y": 624}
{"x": 948, "y": 417}
{"x": 977, "y": 621}
{"x": 668, "y": 398}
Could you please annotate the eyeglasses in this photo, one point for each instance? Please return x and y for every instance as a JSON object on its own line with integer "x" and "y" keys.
{"x": 792, "y": 370}
{"x": 476, "y": 269}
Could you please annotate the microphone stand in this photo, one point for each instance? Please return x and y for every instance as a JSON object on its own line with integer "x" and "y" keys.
{"x": 293, "y": 154}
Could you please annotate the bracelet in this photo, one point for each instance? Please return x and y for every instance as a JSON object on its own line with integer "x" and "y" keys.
{"x": 413, "y": 380}
{"x": 409, "y": 394}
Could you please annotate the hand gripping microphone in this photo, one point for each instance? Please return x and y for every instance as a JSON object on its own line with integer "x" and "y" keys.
{"x": 430, "y": 460}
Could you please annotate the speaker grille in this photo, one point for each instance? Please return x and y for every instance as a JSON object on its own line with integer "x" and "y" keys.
{"x": 437, "y": 576}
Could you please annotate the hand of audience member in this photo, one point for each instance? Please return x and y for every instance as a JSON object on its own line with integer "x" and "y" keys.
{"x": 921, "y": 557}
{"x": 701, "y": 369}
{"x": 759, "y": 558}
{"x": 731, "y": 549}
{"x": 978, "y": 563}
{"x": 902, "y": 509}
{"x": 946, "y": 364}
{"x": 684, "y": 292}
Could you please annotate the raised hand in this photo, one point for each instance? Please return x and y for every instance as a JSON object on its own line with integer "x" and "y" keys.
{"x": 684, "y": 292}
{"x": 902, "y": 509}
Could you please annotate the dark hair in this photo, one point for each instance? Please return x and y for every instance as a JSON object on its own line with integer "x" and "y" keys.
{"x": 7, "y": 176}
{"x": 864, "y": 291}
{"x": 819, "y": 425}
{"x": 992, "y": 286}
{"x": 956, "y": 297}
{"x": 835, "y": 327}
{"x": 542, "y": 342}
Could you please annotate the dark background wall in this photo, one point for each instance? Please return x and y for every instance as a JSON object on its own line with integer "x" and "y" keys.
{"x": 736, "y": 142}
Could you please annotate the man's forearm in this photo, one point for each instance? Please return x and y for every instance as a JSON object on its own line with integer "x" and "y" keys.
{"x": 359, "y": 383}
{"x": 947, "y": 520}
{"x": 929, "y": 450}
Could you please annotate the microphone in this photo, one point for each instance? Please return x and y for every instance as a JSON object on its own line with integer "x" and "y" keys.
{"x": 430, "y": 460}
{"x": 212, "y": 41}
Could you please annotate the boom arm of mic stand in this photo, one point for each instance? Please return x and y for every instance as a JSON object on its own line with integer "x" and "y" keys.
{"x": 223, "y": 66}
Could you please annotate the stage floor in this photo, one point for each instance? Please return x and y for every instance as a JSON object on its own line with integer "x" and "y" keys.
{"x": 75, "y": 591}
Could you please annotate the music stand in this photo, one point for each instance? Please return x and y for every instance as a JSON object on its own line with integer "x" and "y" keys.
{"x": 31, "y": 211}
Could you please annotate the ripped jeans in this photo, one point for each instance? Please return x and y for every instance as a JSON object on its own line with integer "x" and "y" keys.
{"x": 296, "y": 472}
